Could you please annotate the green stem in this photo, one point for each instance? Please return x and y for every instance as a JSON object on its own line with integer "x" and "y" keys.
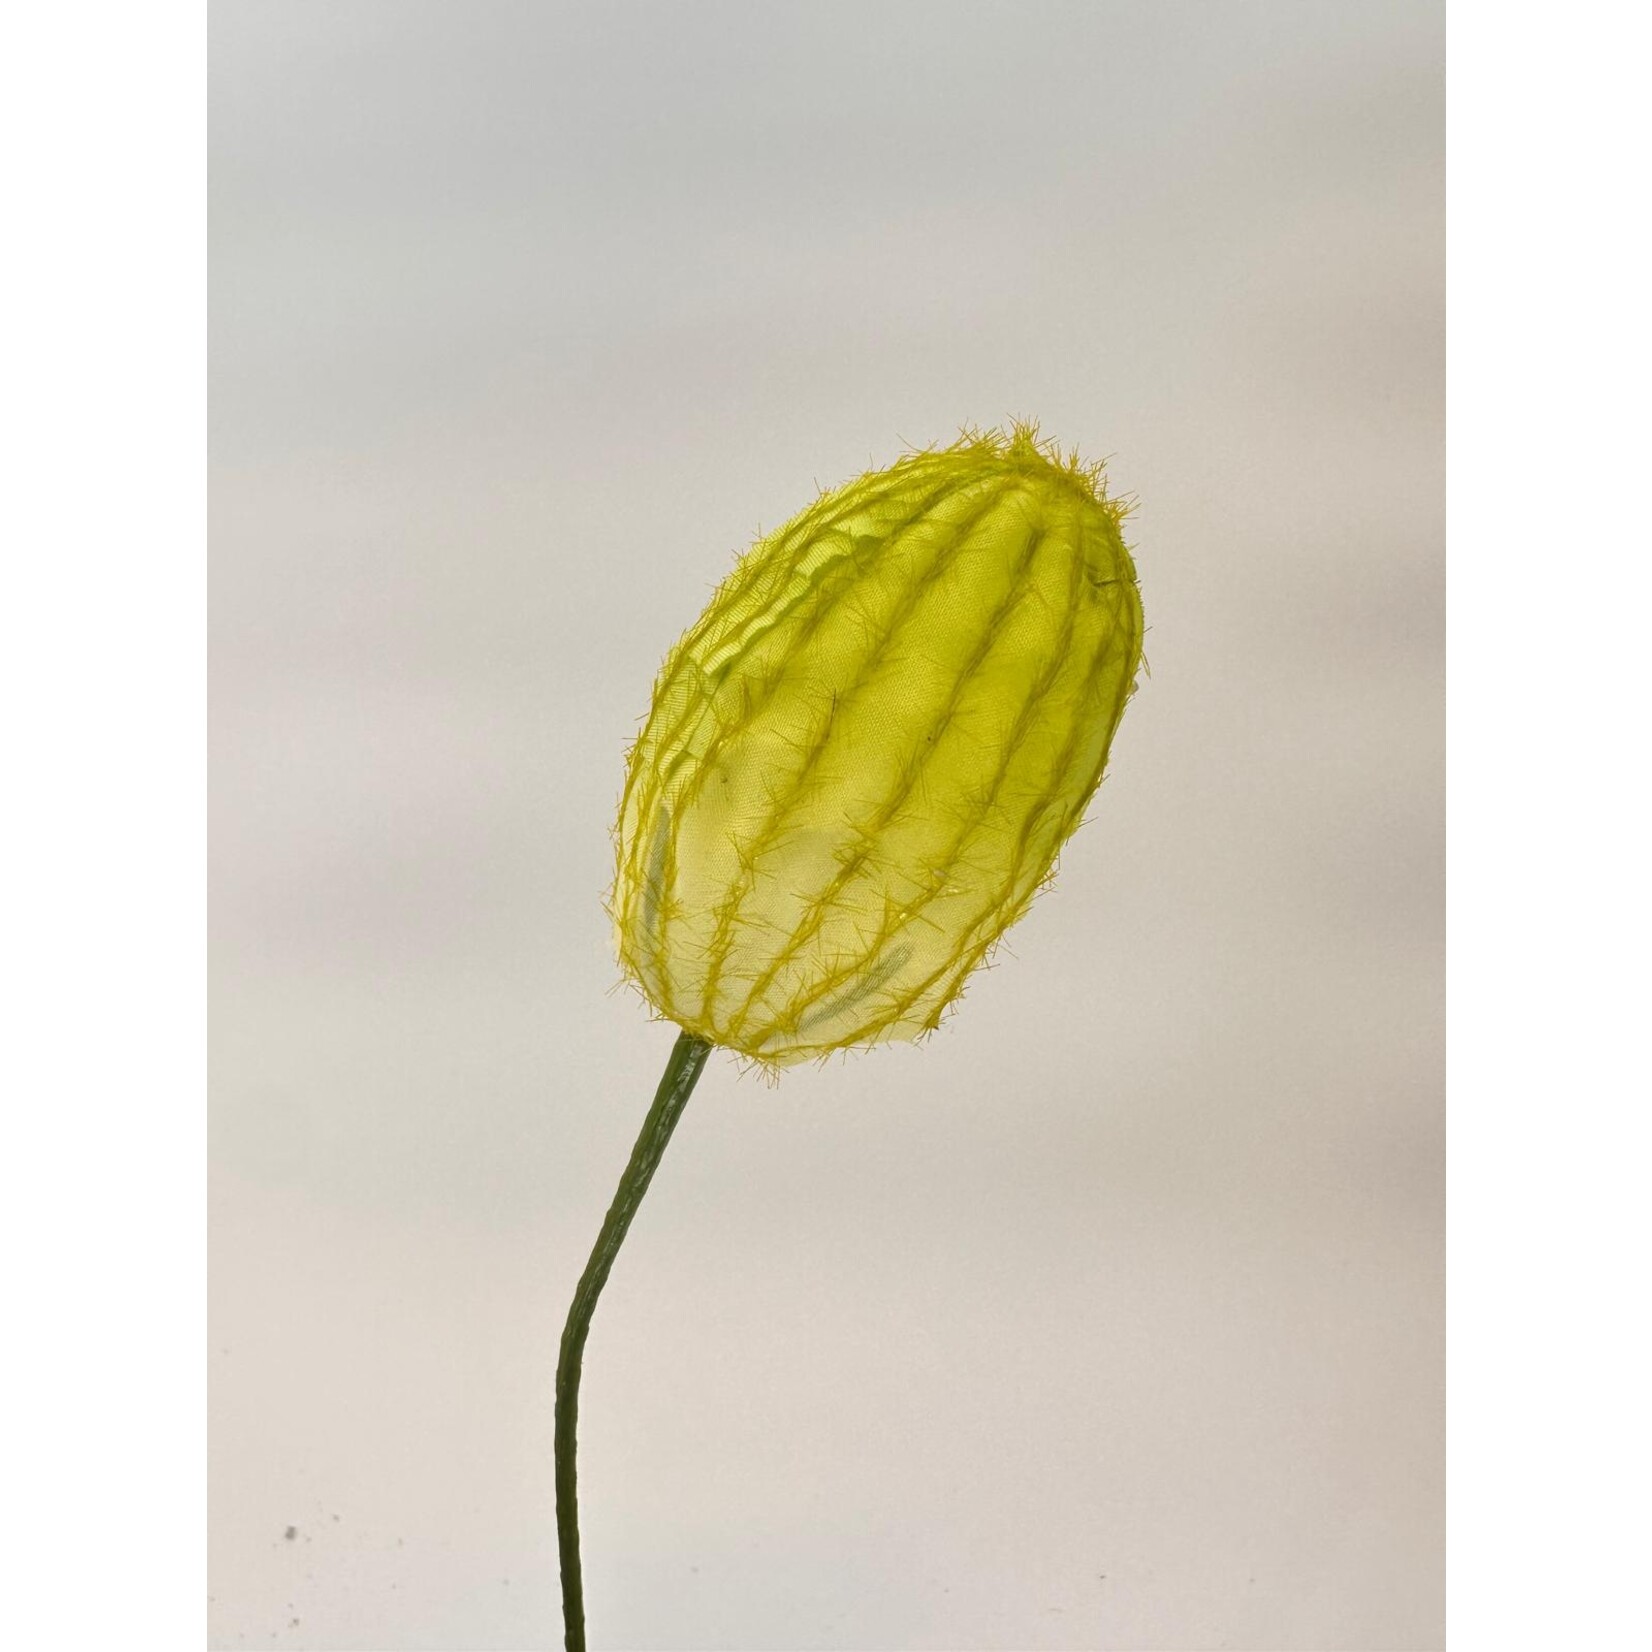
{"x": 688, "y": 1056}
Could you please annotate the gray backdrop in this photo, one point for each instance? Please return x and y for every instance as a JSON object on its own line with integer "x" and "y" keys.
{"x": 1112, "y": 1317}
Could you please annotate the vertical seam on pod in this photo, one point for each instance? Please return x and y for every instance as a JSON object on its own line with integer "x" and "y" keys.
{"x": 892, "y": 805}
{"x": 803, "y": 529}
{"x": 970, "y": 953}
{"x": 1023, "y": 727}
{"x": 763, "y": 842}
{"x": 759, "y": 701}
{"x": 738, "y": 583}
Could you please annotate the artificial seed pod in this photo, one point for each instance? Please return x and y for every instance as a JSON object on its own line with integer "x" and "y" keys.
{"x": 861, "y": 762}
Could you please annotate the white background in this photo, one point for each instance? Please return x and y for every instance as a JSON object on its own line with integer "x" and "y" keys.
{"x": 1113, "y": 1317}
{"x": 101, "y": 668}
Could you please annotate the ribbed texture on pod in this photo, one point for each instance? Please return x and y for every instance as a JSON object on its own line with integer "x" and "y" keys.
{"x": 860, "y": 764}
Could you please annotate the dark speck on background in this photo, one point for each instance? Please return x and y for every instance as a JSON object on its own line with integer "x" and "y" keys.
{"x": 290, "y": 1533}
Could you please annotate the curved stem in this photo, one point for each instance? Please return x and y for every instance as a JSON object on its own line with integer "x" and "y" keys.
{"x": 688, "y": 1056}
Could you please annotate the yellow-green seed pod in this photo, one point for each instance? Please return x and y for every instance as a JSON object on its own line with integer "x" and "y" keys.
{"x": 862, "y": 760}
